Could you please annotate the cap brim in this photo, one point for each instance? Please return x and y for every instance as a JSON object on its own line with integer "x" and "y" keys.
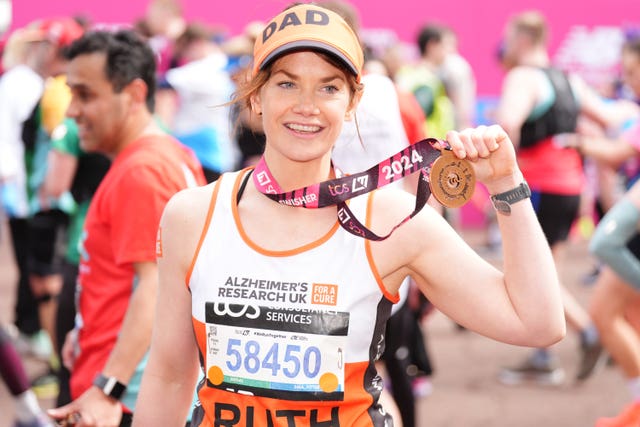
{"x": 309, "y": 45}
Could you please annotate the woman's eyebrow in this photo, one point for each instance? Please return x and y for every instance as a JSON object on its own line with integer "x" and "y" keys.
{"x": 294, "y": 76}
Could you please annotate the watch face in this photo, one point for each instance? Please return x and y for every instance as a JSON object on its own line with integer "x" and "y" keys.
{"x": 110, "y": 386}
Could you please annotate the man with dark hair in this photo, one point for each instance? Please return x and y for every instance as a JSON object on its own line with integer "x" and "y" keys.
{"x": 112, "y": 80}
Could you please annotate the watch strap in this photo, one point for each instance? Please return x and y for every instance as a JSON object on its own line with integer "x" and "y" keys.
{"x": 502, "y": 201}
{"x": 110, "y": 386}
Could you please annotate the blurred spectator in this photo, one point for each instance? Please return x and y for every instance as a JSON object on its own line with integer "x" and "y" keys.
{"x": 247, "y": 129}
{"x": 27, "y": 113}
{"x": 540, "y": 104}
{"x": 459, "y": 81}
{"x": 20, "y": 89}
{"x": 617, "y": 243}
{"x": 423, "y": 81}
{"x": 162, "y": 24}
{"x": 203, "y": 88}
{"x": 28, "y": 412}
{"x": 49, "y": 215}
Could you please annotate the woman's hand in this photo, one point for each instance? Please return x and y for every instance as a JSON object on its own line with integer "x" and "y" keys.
{"x": 491, "y": 154}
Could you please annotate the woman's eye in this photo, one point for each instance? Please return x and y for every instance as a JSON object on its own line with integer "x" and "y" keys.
{"x": 331, "y": 89}
{"x": 285, "y": 85}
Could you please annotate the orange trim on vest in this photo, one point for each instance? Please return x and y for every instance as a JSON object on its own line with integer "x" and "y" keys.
{"x": 367, "y": 247}
{"x": 212, "y": 205}
{"x": 263, "y": 251}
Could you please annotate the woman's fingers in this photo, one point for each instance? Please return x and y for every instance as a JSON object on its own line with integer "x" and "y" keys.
{"x": 479, "y": 142}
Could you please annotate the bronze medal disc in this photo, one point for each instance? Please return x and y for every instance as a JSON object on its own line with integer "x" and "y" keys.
{"x": 452, "y": 180}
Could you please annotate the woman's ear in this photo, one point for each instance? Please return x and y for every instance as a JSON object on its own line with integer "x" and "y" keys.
{"x": 351, "y": 111}
{"x": 256, "y": 108}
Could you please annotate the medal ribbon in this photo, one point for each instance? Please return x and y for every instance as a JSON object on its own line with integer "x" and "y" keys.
{"x": 417, "y": 157}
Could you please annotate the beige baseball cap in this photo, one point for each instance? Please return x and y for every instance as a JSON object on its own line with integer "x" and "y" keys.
{"x": 308, "y": 27}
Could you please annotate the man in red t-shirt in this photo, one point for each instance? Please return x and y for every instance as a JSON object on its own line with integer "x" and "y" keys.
{"x": 111, "y": 76}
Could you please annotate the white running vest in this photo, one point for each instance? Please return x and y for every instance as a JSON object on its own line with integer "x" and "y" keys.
{"x": 290, "y": 337}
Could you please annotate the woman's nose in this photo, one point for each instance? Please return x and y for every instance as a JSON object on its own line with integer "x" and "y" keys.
{"x": 306, "y": 104}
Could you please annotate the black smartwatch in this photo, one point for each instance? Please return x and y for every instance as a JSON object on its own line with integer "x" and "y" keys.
{"x": 110, "y": 386}
{"x": 502, "y": 202}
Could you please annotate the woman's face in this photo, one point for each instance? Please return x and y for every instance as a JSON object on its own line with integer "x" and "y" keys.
{"x": 303, "y": 105}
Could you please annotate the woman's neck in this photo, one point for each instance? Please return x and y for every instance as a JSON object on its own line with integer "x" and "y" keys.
{"x": 291, "y": 174}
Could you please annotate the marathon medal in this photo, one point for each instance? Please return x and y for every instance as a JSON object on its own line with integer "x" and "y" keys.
{"x": 451, "y": 179}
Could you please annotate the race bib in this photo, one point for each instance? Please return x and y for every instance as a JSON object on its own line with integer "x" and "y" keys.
{"x": 276, "y": 352}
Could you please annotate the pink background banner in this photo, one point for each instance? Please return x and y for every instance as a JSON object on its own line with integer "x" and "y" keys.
{"x": 575, "y": 27}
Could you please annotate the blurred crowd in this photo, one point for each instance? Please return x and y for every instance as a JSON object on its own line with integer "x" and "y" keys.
{"x": 566, "y": 133}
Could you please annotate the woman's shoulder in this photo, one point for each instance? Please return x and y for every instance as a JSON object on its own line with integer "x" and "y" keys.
{"x": 190, "y": 203}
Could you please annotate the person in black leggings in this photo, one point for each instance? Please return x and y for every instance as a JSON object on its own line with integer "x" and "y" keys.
{"x": 27, "y": 409}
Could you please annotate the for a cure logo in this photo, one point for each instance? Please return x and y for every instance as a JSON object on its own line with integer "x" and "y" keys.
{"x": 311, "y": 17}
